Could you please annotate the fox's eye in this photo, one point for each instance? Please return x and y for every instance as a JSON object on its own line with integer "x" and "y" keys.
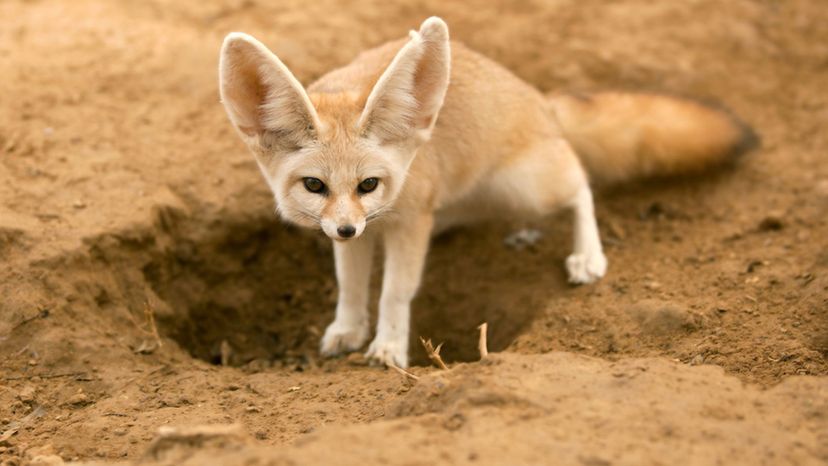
{"x": 314, "y": 185}
{"x": 367, "y": 185}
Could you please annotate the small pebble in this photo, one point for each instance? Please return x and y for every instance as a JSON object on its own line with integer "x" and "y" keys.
{"x": 78, "y": 399}
{"x": 26, "y": 394}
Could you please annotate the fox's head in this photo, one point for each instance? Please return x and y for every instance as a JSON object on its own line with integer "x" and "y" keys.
{"x": 335, "y": 160}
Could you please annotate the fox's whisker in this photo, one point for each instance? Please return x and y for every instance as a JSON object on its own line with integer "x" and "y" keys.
{"x": 381, "y": 212}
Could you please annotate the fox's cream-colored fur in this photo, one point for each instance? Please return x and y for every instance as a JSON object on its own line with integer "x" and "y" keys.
{"x": 442, "y": 136}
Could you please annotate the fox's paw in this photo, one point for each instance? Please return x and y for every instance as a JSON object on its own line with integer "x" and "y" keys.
{"x": 342, "y": 338}
{"x": 387, "y": 351}
{"x": 586, "y": 268}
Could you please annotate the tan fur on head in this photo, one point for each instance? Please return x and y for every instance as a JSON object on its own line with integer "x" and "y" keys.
{"x": 624, "y": 135}
{"x": 338, "y": 137}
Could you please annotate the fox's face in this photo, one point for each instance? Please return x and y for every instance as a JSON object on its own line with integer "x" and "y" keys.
{"x": 338, "y": 160}
{"x": 334, "y": 183}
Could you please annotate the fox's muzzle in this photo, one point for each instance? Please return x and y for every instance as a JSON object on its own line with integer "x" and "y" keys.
{"x": 342, "y": 231}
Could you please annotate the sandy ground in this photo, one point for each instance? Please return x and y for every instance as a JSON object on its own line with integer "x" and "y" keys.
{"x": 123, "y": 189}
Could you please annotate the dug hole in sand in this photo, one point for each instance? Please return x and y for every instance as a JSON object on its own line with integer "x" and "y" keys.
{"x": 153, "y": 310}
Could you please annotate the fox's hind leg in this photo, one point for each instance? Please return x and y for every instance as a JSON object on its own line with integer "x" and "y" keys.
{"x": 545, "y": 179}
{"x": 587, "y": 262}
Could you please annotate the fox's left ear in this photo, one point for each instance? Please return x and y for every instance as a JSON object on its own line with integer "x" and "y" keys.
{"x": 407, "y": 98}
{"x": 262, "y": 97}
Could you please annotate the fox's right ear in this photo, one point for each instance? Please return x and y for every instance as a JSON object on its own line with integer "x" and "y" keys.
{"x": 260, "y": 94}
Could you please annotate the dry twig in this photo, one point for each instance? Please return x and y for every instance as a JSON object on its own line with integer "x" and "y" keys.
{"x": 149, "y": 317}
{"x": 15, "y": 426}
{"x": 225, "y": 351}
{"x": 481, "y": 345}
{"x": 402, "y": 371}
{"x": 149, "y": 312}
{"x": 84, "y": 376}
{"x": 433, "y": 353}
{"x": 43, "y": 313}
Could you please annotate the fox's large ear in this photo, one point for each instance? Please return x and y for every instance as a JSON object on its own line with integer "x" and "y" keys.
{"x": 406, "y": 99}
{"x": 260, "y": 94}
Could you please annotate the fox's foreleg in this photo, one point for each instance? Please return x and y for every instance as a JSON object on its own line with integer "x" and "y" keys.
{"x": 406, "y": 246}
{"x": 350, "y": 328}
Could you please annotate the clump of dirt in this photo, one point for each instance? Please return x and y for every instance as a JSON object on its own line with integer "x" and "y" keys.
{"x": 145, "y": 280}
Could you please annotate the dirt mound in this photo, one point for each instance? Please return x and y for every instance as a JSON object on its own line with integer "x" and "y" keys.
{"x": 145, "y": 281}
{"x": 561, "y": 408}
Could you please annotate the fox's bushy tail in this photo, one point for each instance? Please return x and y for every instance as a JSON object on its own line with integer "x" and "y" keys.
{"x": 624, "y": 135}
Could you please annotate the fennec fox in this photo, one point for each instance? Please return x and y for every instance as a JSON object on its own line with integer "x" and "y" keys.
{"x": 423, "y": 134}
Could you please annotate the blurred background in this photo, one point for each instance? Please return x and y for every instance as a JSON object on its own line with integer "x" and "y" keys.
{"x": 131, "y": 215}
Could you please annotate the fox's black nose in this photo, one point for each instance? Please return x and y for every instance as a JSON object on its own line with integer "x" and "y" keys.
{"x": 346, "y": 231}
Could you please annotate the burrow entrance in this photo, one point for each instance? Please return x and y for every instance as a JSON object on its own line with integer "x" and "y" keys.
{"x": 253, "y": 289}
